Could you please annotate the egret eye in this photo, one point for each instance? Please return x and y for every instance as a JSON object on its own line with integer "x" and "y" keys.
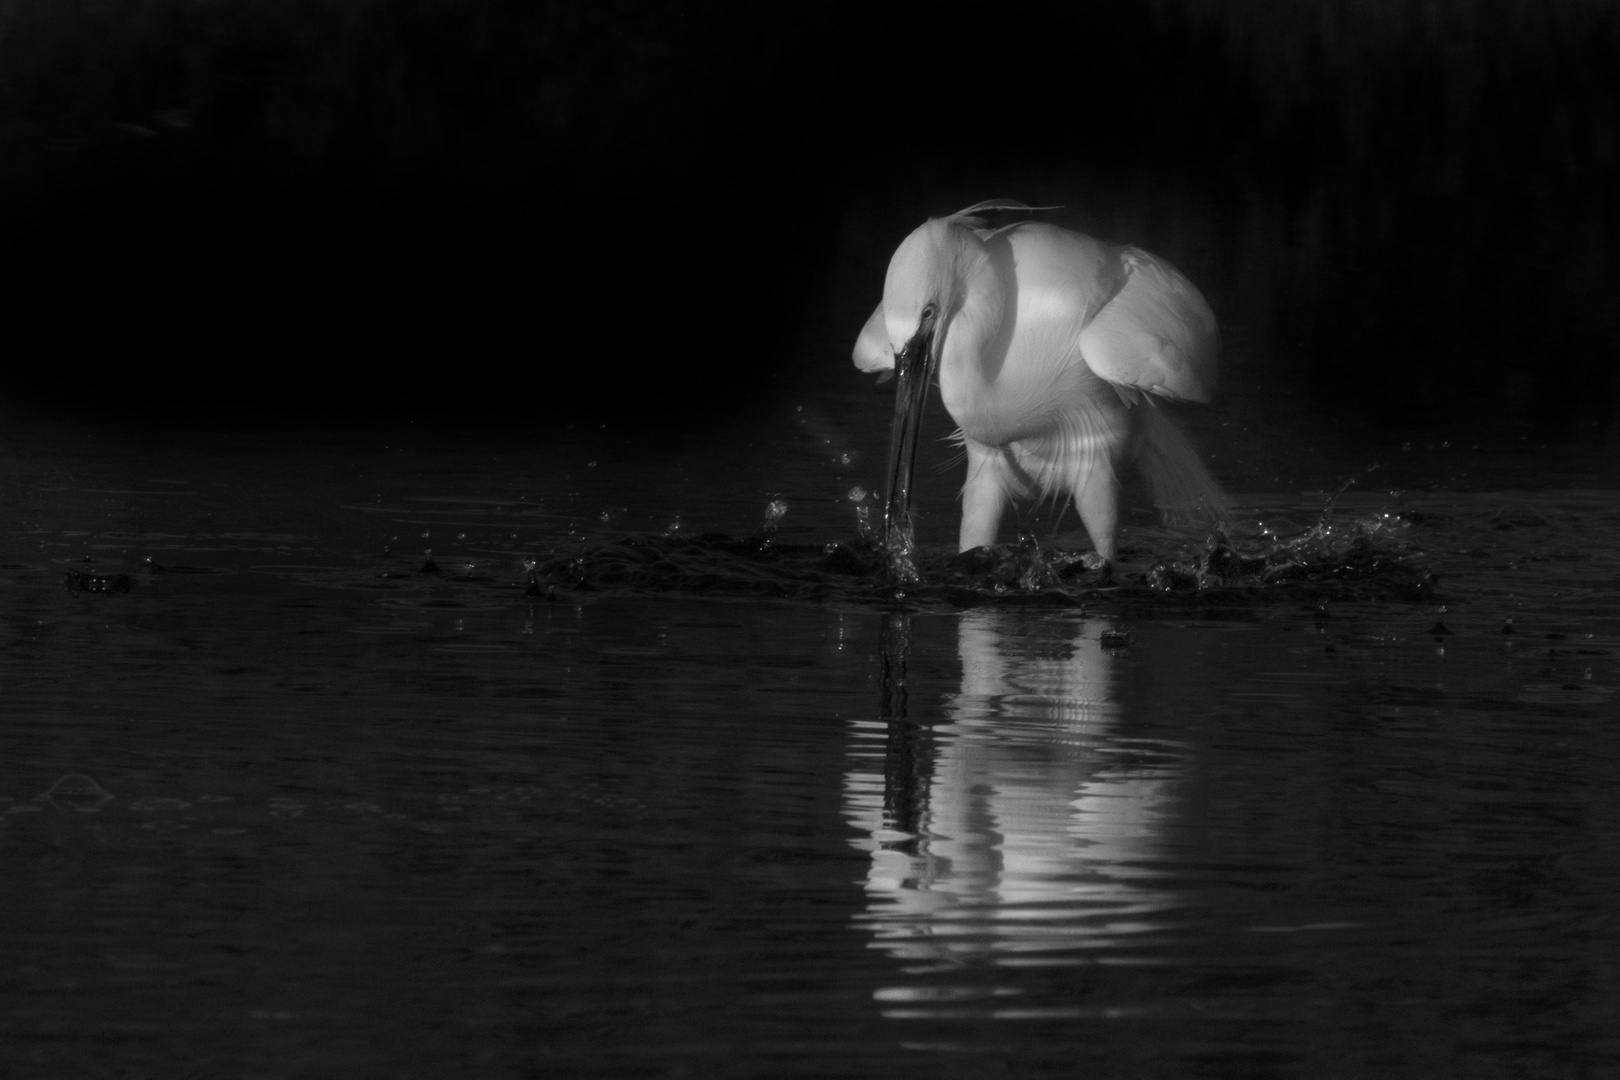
{"x": 927, "y": 313}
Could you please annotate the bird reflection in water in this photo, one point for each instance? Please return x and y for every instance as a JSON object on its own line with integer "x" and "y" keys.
{"x": 1017, "y": 829}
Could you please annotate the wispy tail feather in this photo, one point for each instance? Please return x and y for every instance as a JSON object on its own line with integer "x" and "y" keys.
{"x": 1183, "y": 489}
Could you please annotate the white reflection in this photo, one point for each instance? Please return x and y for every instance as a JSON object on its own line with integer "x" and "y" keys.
{"x": 1022, "y": 830}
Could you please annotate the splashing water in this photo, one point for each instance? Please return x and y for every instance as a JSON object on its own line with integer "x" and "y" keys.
{"x": 903, "y": 562}
{"x": 1342, "y": 556}
{"x": 863, "y": 525}
{"x": 1361, "y": 548}
{"x": 863, "y": 515}
{"x": 775, "y": 511}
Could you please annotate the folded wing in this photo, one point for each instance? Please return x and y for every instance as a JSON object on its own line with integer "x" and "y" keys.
{"x": 1156, "y": 334}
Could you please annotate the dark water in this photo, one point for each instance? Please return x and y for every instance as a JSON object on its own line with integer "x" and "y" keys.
{"x": 276, "y": 802}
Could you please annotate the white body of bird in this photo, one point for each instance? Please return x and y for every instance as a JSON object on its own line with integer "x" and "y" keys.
{"x": 1050, "y": 347}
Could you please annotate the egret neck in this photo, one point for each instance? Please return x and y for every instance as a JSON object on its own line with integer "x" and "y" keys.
{"x": 974, "y": 345}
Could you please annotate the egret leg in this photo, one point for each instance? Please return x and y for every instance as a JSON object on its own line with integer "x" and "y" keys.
{"x": 1096, "y": 496}
{"x": 984, "y": 496}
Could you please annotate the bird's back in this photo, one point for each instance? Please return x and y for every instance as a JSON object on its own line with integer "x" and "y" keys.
{"x": 1096, "y": 323}
{"x": 1061, "y": 276}
{"x": 1131, "y": 317}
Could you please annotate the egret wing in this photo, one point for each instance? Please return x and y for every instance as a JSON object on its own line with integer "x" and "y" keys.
{"x": 872, "y": 349}
{"x": 1156, "y": 334}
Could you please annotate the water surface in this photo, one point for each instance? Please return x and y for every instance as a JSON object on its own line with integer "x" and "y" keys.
{"x": 279, "y": 798}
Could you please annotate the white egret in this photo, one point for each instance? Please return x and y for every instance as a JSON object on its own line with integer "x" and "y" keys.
{"x": 1049, "y": 346}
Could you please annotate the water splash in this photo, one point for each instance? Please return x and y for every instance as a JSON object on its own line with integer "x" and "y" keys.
{"x": 901, "y": 549}
{"x": 775, "y": 511}
{"x": 1362, "y": 548}
{"x": 1337, "y": 557}
{"x": 863, "y": 515}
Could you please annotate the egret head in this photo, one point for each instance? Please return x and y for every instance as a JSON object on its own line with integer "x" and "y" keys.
{"x": 921, "y": 290}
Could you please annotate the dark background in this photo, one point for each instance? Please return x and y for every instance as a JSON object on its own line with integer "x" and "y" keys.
{"x": 511, "y": 212}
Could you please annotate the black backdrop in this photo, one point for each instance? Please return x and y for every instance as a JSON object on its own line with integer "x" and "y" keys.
{"x": 518, "y": 211}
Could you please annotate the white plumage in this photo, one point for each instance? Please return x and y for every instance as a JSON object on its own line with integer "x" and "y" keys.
{"x": 1050, "y": 347}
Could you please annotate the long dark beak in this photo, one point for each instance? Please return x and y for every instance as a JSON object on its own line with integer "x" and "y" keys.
{"x": 914, "y": 369}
